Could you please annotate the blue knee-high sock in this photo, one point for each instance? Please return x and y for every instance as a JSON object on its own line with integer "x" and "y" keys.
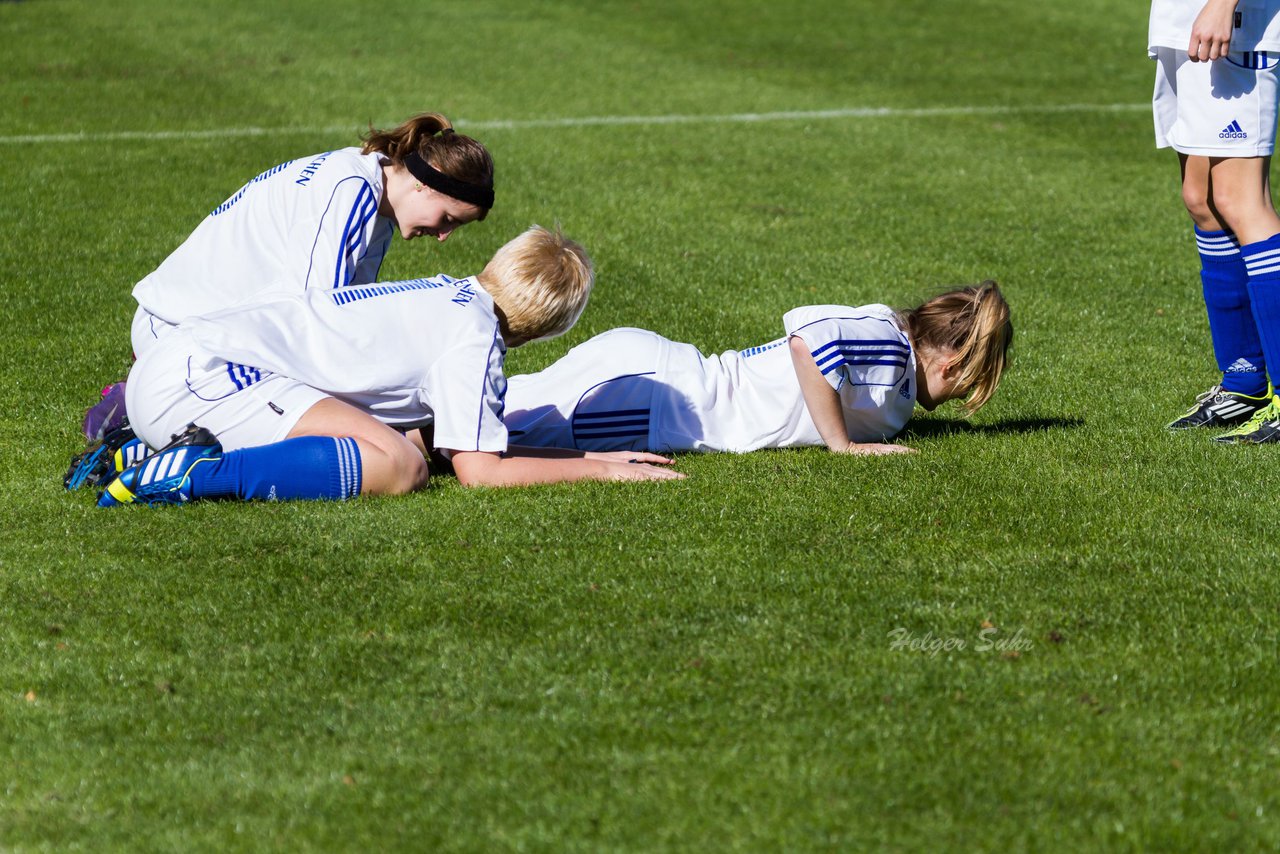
{"x": 1236, "y": 343}
{"x": 308, "y": 467}
{"x": 1262, "y": 259}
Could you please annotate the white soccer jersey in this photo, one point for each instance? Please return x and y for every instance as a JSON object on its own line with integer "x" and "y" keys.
{"x": 426, "y": 351}
{"x": 308, "y": 223}
{"x": 1257, "y": 25}
{"x": 631, "y": 389}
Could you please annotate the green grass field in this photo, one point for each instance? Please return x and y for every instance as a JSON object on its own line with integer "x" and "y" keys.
{"x": 786, "y": 650}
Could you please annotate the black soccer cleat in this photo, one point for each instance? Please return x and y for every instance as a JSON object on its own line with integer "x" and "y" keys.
{"x": 1220, "y": 408}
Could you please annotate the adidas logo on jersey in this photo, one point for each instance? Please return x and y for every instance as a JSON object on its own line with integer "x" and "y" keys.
{"x": 1233, "y": 131}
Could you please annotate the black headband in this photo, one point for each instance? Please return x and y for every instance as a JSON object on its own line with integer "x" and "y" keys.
{"x": 472, "y": 194}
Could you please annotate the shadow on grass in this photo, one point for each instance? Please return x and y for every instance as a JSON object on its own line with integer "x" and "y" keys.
{"x": 949, "y": 427}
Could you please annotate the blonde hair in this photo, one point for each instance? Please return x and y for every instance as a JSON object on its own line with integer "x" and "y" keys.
{"x": 433, "y": 138}
{"x": 971, "y": 323}
{"x": 539, "y": 282}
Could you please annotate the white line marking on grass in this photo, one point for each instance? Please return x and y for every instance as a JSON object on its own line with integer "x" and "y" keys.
{"x": 157, "y": 135}
{"x": 813, "y": 115}
{"x": 590, "y": 121}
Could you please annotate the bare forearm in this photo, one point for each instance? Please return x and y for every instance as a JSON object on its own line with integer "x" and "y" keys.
{"x": 476, "y": 468}
{"x": 526, "y": 471}
{"x": 820, "y": 399}
{"x": 823, "y": 403}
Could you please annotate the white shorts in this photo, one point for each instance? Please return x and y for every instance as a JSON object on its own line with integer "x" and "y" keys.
{"x": 616, "y": 392}
{"x": 147, "y": 330}
{"x": 175, "y": 383}
{"x": 1224, "y": 108}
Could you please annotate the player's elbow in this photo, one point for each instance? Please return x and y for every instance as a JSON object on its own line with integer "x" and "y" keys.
{"x": 476, "y": 468}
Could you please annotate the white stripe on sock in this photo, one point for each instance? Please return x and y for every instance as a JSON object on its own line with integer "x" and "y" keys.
{"x": 1259, "y": 256}
{"x": 340, "y": 447}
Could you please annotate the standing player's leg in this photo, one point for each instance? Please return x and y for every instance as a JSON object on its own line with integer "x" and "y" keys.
{"x": 1205, "y": 110}
{"x": 1242, "y": 196}
{"x": 1236, "y": 346}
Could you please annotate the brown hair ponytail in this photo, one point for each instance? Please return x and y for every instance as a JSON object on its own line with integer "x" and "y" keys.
{"x": 431, "y": 136}
{"x": 972, "y": 324}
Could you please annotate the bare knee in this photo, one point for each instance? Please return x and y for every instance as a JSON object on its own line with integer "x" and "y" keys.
{"x": 411, "y": 470}
{"x": 1196, "y": 200}
{"x": 392, "y": 467}
{"x": 1244, "y": 211}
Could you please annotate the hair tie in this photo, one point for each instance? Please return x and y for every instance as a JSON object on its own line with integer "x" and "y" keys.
{"x": 446, "y": 131}
{"x": 480, "y": 195}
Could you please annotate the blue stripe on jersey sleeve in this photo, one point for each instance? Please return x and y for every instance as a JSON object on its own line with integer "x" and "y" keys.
{"x": 859, "y": 344}
{"x": 861, "y": 361}
{"x": 225, "y": 206}
{"x": 833, "y": 361}
{"x": 356, "y": 236}
{"x": 342, "y": 296}
{"x": 232, "y": 373}
{"x": 763, "y": 348}
{"x": 362, "y": 211}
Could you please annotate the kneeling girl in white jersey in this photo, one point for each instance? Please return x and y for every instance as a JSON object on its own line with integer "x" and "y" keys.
{"x": 321, "y": 221}
{"x": 305, "y": 395}
{"x": 841, "y": 376}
